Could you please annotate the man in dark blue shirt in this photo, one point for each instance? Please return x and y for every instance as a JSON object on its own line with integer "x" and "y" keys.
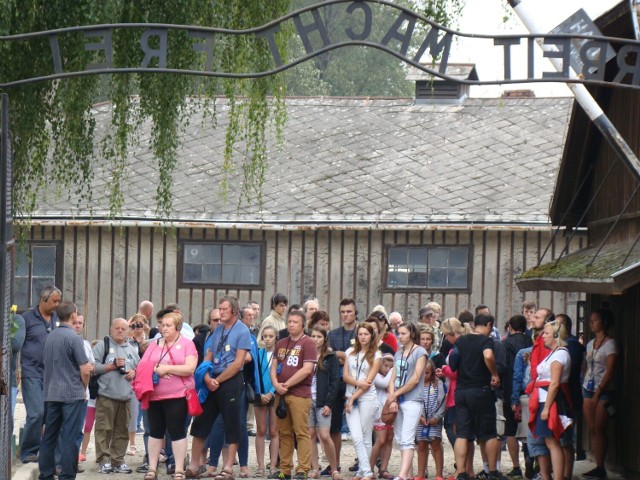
{"x": 39, "y": 321}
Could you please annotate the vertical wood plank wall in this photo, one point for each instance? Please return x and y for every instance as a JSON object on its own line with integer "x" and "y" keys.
{"x": 107, "y": 272}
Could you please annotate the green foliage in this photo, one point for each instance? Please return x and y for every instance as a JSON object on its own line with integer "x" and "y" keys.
{"x": 347, "y": 71}
{"x": 53, "y": 126}
{"x": 54, "y": 132}
{"x": 443, "y": 12}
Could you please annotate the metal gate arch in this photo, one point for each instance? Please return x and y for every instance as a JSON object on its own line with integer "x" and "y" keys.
{"x": 437, "y": 43}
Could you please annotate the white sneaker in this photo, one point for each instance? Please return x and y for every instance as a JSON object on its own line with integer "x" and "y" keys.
{"x": 105, "y": 468}
{"x": 124, "y": 468}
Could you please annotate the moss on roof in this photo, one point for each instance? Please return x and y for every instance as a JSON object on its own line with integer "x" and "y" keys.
{"x": 576, "y": 265}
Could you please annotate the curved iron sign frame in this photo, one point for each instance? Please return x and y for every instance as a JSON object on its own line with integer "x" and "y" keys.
{"x": 435, "y": 40}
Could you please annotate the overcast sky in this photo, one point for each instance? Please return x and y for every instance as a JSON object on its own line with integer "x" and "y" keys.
{"x": 486, "y": 16}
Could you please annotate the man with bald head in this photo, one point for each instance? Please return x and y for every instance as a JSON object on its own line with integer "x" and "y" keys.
{"x": 113, "y": 411}
{"x": 146, "y": 309}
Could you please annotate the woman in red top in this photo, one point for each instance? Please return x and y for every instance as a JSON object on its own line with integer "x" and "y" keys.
{"x": 384, "y": 329}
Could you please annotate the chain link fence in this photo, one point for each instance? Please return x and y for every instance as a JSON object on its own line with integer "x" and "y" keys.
{"x": 6, "y": 276}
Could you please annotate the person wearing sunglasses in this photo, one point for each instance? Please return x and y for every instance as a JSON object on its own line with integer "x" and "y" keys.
{"x": 137, "y": 328}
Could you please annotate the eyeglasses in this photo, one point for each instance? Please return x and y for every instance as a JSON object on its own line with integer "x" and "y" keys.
{"x": 136, "y": 326}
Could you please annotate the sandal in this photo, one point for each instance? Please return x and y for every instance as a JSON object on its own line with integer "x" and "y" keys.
{"x": 178, "y": 476}
{"x": 208, "y": 474}
{"x": 225, "y": 475}
{"x": 151, "y": 475}
{"x": 259, "y": 472}
{"x": 385, "y": 474}
{"x": 336, "y": 475}
{"x": 244, "y": 475}
{"x": 188, "y": 473}
{"x": 313, "y": 474}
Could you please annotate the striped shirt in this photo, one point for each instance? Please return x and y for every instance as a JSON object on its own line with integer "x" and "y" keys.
{"x": 63, "y": 354}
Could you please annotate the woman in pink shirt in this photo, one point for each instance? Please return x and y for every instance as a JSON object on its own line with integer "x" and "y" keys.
{"x": 174, "y": 358}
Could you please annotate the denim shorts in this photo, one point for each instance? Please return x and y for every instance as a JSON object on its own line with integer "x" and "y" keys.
{"x": 606, "y": 395}
{"x": 316, "y": 419}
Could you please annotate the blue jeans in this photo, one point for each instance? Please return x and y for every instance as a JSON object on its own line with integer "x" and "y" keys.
{"x": 64, "y": 420}
{"x": 449, "y": 421}
{"x": 59, "y": 446}
{"x": 14, "y": 396}
{"x": 145, "y": 437}
{"x": 33, "y": 397}
{"x": 168, "y": 447}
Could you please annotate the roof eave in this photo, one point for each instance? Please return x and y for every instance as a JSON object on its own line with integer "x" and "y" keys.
{"x": 283, "y": 225}
{"x": 616, "y": 284}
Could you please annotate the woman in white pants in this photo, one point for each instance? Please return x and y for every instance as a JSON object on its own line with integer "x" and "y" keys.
{"x": 363, "y": 363}
{"x": 405, "y": 393}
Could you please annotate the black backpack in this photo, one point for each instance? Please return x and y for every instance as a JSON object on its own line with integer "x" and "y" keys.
{"x": 93, "y": 381}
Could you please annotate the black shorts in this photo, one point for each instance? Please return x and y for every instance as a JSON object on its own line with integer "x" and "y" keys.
{"x": 225, "y": 401}
{"x": 510, "y": 426}
{"x": 476, "y": 414}
{"x": 338, "y": 409}
{"x": 168, "y": 415}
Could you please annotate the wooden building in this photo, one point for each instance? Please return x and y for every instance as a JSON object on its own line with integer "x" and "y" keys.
{"x": 597, "y": 192}
{"x": 388, "y": 201}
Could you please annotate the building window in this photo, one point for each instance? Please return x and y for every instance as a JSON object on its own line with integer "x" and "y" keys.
{"x": 38, "y": 265}
{"x": 222, "y": 264}
{"x": 428, "y": 267}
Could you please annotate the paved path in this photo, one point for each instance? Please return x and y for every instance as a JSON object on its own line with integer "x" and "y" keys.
{"x": 30, "y": 471}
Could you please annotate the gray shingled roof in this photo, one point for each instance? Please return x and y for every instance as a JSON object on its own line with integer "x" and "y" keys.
{"x": 364, "y": 161}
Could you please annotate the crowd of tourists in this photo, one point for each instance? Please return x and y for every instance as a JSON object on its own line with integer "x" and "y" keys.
{"x": 302, "y": 383}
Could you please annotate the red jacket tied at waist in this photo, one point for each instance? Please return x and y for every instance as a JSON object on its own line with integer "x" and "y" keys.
{"x": 559, "y": 412}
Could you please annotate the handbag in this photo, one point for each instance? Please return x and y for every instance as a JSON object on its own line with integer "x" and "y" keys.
{"x": 387, "y": 416}
{"x": 281, "y": 409}
{"x": 194, "y": 408}
{"x": 250, "y": 394}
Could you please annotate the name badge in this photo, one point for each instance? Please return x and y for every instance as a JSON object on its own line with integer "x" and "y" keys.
{"x": 279, "y": 369}
{"x": 352, "y": 341}
{"x": 227, "y": 348}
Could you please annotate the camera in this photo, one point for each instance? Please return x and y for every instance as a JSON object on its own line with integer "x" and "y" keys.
{"x": 122, "y": 369}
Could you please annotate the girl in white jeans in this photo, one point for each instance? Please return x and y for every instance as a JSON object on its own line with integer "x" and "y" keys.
{"x": 405, "y": 393}
{"x": 362, "y": 365}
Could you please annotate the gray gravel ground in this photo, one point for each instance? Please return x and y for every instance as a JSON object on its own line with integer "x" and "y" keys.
{"x": 30, "y": 471}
